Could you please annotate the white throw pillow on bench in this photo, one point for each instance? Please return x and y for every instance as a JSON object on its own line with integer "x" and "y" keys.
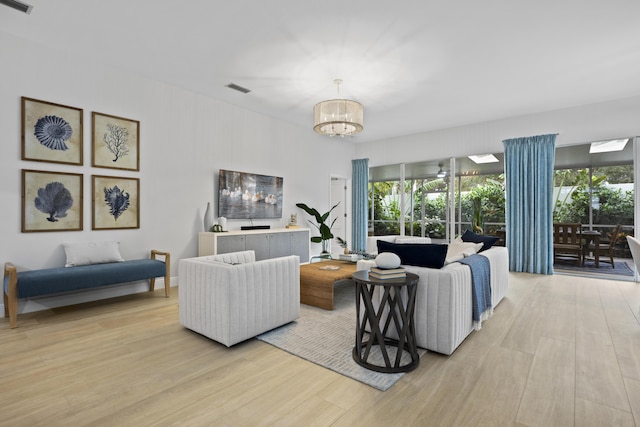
{"x": 84, "y": 253}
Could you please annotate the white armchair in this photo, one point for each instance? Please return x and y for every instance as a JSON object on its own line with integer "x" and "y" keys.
{"x": 232, "y": 297}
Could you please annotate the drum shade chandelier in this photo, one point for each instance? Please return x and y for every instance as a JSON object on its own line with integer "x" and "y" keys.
{"x": 338, "y": 116}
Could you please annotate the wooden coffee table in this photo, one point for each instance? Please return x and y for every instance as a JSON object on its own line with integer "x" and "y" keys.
{"x": 317, "y": 279}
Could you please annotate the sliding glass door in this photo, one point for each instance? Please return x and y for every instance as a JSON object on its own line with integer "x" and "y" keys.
{"x": 441, "y": 197}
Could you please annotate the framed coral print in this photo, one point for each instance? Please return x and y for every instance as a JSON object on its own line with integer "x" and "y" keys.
{"x": 51, "y": 201}
{"x": 115, "y": 142}
{"x": 51, "y": 132}
{"x": 116, "y": 202}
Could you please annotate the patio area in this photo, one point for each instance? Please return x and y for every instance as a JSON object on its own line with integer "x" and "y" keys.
{"x": 623, "y": 269}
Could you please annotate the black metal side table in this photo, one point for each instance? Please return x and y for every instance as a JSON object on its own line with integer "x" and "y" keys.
{"x": 397, "y": 306}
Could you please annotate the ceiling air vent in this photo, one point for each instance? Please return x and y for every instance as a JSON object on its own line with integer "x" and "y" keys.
{"x": 234, "y": 86}
{"x": 17, "y": 5}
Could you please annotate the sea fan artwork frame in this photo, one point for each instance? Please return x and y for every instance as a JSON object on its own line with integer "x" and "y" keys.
{"x": 115, "y": 202}
{"x": 51, "y": 201}
{"x": 115, "y": 142}
{"x": 51, "y": 132}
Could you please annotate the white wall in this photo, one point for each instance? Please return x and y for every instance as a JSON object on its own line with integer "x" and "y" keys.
{"x": 184, "y": 140}
{"x": 582, "y": 124}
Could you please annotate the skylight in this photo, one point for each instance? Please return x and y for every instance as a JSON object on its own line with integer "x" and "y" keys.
{"x": 484, "y": 158}
{"x": 607, "y": 146}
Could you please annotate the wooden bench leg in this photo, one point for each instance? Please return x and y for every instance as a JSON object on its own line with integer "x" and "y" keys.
{"x": 6, "y": 303}
{"x": 11, "y": 300}
{"x": 13, "y": 312}
{"x": 167, "y": 285}
{"x": 167, "y": 277}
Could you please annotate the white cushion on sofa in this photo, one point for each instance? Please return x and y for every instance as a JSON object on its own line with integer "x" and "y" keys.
{"x": 412, "y": 239}
{"x": 83, "y": 253}
{"x": 459, "y": 249}
{"x": 372, "y": 241}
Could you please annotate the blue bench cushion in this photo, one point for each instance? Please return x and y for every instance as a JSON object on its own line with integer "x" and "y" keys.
{"x": 65, "y": 279}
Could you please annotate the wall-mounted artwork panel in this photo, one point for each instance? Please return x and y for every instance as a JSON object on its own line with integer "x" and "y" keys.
{"x": 51, "y": 132}
{"x": 51, "y": 201}
{"x": 116, "y": 202}
{"x": 115, "y": 142}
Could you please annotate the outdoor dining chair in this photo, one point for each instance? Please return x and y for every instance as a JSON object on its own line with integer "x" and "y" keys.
{"x": 607, "y": 247}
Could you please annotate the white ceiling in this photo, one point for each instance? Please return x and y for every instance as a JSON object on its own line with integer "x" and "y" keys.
{"x": 414, "y": 65}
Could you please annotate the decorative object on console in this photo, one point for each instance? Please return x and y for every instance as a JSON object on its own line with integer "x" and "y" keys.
{"x": 338, "y": 116}
{"x": 324, "y": 229}
{"x": 51, "y": 201}
{"x": 249, "y": 196}
{"x": 293, "y": 221}
{"x": 208, "y": 218}
{"x": 222, "y": 221}
{"x": 116, "y": 202}
{"x": 115, "y": 142}
{"x": 51, "y": 132}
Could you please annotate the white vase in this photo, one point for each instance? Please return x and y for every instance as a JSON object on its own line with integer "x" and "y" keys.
{"x": 223, "y": 222}
{"x": 208, "y": 218}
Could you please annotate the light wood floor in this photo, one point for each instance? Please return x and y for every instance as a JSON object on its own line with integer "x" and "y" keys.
{"x": 559, "y": 350}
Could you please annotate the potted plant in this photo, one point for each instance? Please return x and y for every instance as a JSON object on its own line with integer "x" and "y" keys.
{"x": 323, "y": 228}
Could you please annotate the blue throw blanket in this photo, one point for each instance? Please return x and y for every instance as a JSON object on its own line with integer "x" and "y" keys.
{"x": 480, "y": 284}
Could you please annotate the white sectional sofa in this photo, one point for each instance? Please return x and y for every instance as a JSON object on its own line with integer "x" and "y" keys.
{"x": 232, "y": 297}
{"x": 443, "y": 314}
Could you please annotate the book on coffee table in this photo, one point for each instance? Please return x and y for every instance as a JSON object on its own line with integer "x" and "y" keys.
{"x": 349, "y": 257}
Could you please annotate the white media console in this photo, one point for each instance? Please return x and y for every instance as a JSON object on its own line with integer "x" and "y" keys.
{"x": 272, "y": 243}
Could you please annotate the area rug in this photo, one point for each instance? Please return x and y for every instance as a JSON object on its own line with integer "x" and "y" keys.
{"x": 327, "y": 337}
{"x": 621, "y": 269}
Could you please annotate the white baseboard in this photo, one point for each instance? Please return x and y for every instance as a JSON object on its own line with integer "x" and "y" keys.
{"x": 70, "y": 298}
